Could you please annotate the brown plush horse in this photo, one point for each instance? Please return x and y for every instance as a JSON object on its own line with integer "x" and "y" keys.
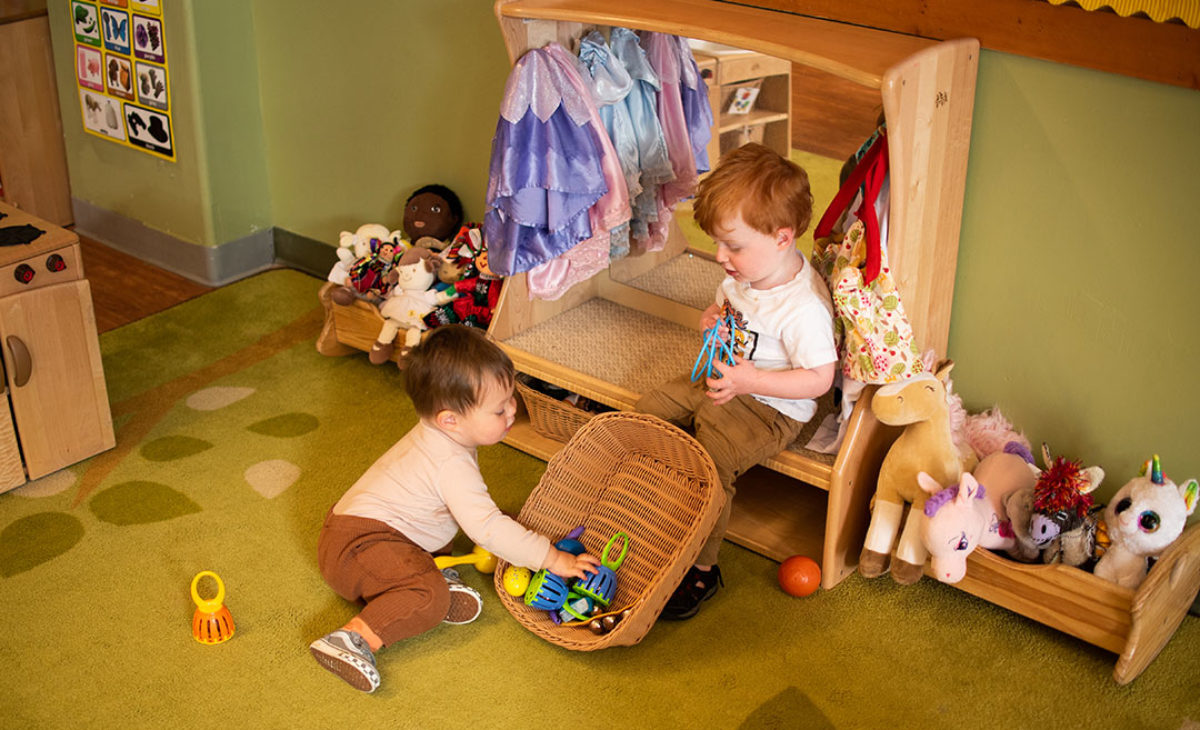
{"x": 926, "y": 445}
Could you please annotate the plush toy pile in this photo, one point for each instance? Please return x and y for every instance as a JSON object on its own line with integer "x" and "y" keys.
{"x": 948, "y": 465}
{"x": 432, "y": 272}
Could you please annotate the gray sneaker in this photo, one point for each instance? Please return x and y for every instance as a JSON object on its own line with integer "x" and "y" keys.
{"x": 347, "y": 655}
{"x": 465, "y": 602}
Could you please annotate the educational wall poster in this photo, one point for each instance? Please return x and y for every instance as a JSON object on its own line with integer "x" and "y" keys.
{"x": 121, "y": 71}
{"x": 87, "y": 23}
{"x": 149, "y": 130}
{"x": 89, "y": 71}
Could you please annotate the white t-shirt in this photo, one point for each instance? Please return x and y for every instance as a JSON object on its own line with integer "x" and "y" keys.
{"x": 783, "y": 328}
{"x": 427, "y": 486}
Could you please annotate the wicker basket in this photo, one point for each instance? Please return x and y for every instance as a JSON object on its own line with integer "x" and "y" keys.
{"x": 626, "y": 472}
{"x": 553, "y": 418}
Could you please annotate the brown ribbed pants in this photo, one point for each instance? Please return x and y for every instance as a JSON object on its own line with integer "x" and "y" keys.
{"x": 366, "y": 560}
{"x": 737, "y": 435}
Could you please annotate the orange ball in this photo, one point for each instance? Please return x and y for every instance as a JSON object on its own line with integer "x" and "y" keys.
{"x": 799, "y": 576}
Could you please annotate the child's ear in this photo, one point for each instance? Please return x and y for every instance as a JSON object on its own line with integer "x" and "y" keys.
{"x": 785, "y": 237}
{"x": 446, "y": 419}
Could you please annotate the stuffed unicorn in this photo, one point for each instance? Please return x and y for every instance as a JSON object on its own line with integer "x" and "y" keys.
{"x": 1144, "y": 517}
{"x": 926, "y": 444}
{"x": 971, "y": 514}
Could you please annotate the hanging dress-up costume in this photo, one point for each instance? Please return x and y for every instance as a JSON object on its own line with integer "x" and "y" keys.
{"x": 674, "y": 74}
{"x": 555, "y": 186}
{"x": 642, "y": 104}
{"x": 610, "y": 85}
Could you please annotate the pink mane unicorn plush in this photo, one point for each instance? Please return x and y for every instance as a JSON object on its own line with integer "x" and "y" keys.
{"x": 971, "y": 514}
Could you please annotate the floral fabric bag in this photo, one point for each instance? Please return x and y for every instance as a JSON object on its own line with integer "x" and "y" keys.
{"x": 875, "y": 339}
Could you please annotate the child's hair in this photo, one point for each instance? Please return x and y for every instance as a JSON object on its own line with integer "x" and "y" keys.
{"x": 768, "y": 191}
{"x": 449, "y": 370}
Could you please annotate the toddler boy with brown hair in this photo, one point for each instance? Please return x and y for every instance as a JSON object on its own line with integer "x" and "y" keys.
{"x": 378, "y": 541}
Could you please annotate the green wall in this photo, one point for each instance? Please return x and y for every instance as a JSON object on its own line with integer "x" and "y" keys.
{"x": 216, "y": 189}
{"x": 1075, "y": 306}
{"x": 167, "y": 196}
{"x": 366, "y": 101}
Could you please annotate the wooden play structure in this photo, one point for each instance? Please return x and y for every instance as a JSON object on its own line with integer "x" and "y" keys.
{"x": 634, "y": 325}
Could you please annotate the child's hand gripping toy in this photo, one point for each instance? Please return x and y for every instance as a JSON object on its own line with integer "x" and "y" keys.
{"x": 716, "y": 347}
{"x": 576, "y": 601}
{"x": 601, "y": 585}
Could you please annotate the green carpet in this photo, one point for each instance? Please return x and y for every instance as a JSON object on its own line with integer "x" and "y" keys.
{"x": 234, "y": 437}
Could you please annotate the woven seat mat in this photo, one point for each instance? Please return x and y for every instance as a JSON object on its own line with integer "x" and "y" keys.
{"x": 633, "y": 473}
{"x": 634, "y": 350}
{"x": 687, "y": 279}
{"x": 613, "y": 343}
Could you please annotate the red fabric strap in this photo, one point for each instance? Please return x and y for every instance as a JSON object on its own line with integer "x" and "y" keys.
{"x": 871, "y": 171}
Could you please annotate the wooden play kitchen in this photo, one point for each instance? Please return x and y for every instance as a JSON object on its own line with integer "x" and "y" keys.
{"x": 55, "y": 400}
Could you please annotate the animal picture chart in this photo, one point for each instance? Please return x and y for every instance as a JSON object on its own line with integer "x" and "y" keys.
{"x": 121, "y": 73}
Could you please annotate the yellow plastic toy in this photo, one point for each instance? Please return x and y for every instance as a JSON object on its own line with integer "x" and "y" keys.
{"x": 212, "y": 622}
{"x": 483, "y": 561}
{"x": 516, "y": 580}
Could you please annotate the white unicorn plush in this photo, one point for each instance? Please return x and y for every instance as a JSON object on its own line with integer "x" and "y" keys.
{"x": 1144, "y": 517}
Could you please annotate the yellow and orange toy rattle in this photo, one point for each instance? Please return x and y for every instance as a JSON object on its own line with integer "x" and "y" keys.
{"x": 212, "y": 622}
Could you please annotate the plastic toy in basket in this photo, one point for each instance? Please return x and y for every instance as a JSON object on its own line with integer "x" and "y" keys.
{"x": 631, "y": 472}
{"x": 546, "y": 591}
{"x": 716, "y": 347}
{"x": 601, "y": 585}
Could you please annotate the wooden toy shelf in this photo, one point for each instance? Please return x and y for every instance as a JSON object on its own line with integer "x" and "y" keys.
{"x": 608, "y": 337}
{"x": 612, "y": 337}
{"x": 1135, "y": 624}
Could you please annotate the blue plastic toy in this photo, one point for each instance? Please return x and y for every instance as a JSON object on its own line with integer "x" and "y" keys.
{"x": 601, "y": 585}
{"x": 566, "y": 601}
{"x": 715, "y": 347}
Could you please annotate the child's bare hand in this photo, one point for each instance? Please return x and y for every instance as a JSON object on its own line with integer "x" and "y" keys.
{"x": 735, "y": 380}
{"x": 566, "y": 565}
{"x": 709, "y": 317}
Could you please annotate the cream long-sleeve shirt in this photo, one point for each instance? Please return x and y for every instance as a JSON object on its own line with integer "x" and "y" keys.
{"x": 427, "y": 486}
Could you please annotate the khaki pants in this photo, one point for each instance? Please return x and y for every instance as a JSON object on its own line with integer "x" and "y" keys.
{"x": 366, "y": 560}
{"x": 737, "y": 435}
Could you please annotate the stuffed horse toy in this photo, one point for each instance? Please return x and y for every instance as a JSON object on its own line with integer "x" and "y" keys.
{"x": 926, "y": 445}
{"x": 1055, "y": 521}
{"x": 1144, "y": 517}
{"x": 970, "y": 514}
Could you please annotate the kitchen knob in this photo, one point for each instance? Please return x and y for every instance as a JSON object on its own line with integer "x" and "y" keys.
{"x": 24, "y": 273}
{"x": 55, "y": 263}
